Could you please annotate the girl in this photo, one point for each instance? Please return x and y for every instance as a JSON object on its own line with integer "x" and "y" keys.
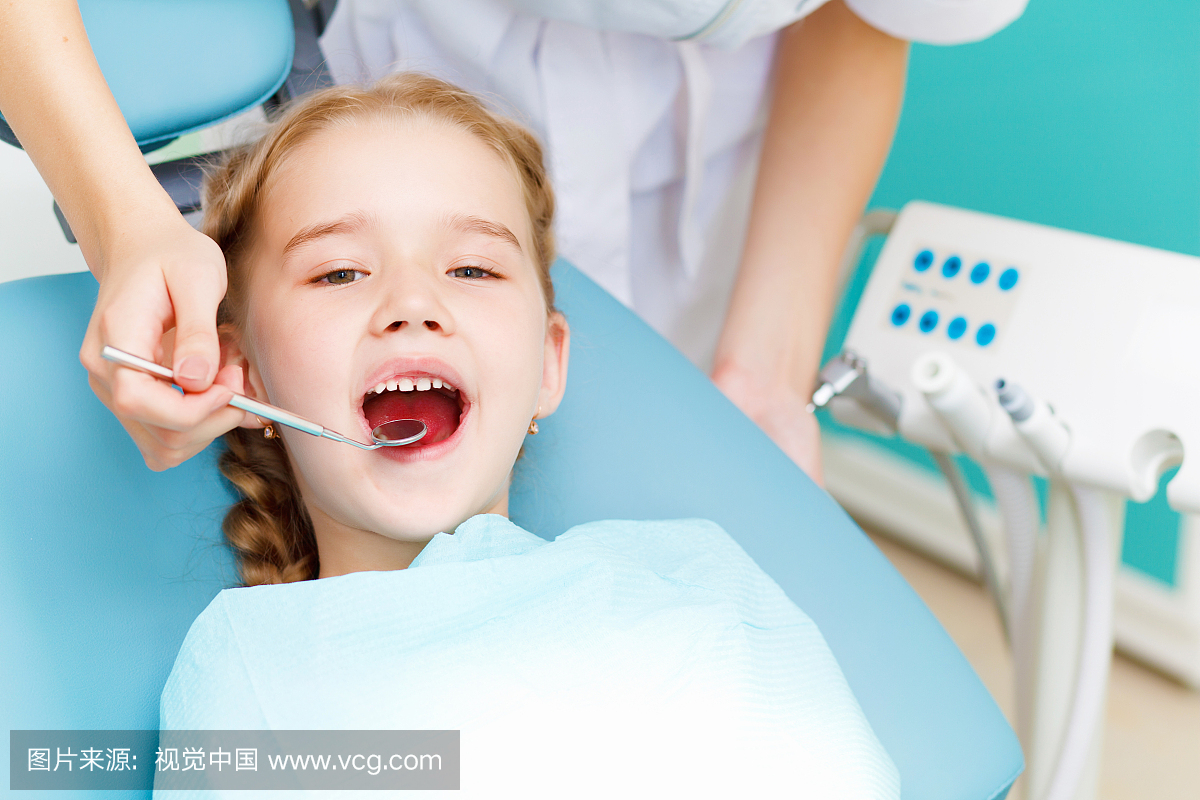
{"x": 388, "y": 252}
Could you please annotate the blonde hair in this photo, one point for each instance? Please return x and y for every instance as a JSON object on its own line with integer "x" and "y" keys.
{"x": 269, "y": 528}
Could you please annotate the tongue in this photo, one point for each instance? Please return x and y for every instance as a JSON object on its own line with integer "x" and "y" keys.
{"x": 436, "y": 410}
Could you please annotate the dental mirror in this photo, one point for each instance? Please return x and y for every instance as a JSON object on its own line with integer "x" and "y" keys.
{"x": 398, "y": 431}
{"x": 389, "y": 434}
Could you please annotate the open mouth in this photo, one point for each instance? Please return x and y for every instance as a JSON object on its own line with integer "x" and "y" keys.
{"x": 424, "y": 397}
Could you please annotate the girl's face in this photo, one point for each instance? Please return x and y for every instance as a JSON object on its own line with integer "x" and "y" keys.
{"x": 399, "y": 255}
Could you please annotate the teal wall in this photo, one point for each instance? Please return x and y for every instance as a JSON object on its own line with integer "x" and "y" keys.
{"x": 1081, "y": 115}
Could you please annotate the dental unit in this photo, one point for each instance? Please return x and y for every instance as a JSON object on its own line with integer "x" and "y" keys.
{"x": 1033, "y": 351}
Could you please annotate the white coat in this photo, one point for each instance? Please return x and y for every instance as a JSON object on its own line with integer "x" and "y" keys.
{"x": 651, "y": 111}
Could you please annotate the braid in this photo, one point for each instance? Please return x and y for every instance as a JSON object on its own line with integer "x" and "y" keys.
{"x": 269, "y": 528}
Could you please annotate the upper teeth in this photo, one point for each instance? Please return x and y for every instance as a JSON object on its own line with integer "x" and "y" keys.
{"x": 408, "y": 384}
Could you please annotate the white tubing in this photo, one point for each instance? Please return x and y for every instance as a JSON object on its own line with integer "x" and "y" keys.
{"x": 955, "y": 398}
{"x": 962, "y": 495}
{"x": 1046, "y": 436}
{"x": 1095, "y": 649}
{"x": 1021, "y": 517}
{"x": 964, "y": 410}
{"x": 1050, "y": 439}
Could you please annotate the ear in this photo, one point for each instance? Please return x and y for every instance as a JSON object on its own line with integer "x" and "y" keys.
{"x": 554, "y": 364}
{"x": 243, "y": 378}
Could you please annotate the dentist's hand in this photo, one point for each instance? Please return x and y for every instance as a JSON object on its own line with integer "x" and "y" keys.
{"x": 156, "y": 273}
{"x": 780, "y": 411}
{"x": 158, "y": 299}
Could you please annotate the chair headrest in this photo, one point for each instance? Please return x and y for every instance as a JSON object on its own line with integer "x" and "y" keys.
{"x": 179, "y": 66}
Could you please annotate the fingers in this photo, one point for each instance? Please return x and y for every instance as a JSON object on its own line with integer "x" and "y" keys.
{"x": 131, "y": 319}
{"x": 153, "y": 402}
{"x": 193, "y": 421}
{"x": 166, "y": 277}
{"x": 197, "y": 349}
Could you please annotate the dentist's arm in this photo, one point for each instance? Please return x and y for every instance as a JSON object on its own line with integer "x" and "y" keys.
{"x": 156, "y": 272}
{"x": 839, "y": 84}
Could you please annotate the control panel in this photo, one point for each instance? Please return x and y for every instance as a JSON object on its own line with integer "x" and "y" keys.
{"x": 955, "y": 298}
{"x": 1106, "y": 332}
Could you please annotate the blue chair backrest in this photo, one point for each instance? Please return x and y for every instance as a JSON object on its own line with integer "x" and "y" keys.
{"x": 176, "y": 66}
{"x": 104, "y": 564}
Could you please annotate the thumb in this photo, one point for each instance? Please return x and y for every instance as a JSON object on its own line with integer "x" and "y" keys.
{"x": 197, "y": 348}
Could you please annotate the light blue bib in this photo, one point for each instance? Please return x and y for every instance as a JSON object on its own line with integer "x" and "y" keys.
{"x": 657, "y": 649}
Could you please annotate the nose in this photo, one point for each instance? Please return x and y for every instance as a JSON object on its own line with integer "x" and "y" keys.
{"x": 413, "y": 300}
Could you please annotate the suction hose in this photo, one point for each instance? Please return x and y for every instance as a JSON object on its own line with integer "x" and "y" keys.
{"x": 1021, "y": 519}
{"x": 1095, "y": 649}
{"x": 1049, "y": 439}
{"x": 966, "y": 413}
{"x": 964, "y": 409}
{"x": 991, "y": 576}
{"x": 847, "y": 375}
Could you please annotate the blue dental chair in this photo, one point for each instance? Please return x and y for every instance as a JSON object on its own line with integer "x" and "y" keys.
{"x": 104, "y": 564}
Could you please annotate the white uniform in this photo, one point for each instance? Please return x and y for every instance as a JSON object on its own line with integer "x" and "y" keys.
{"x": 652, "y": 113}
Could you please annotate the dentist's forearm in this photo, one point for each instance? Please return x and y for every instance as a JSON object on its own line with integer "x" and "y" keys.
{"x": 156, "y": 273}
{"x": 837, "y": 97}
{"x": 55, "y": 99}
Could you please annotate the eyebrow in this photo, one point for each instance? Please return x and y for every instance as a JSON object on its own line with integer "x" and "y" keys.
{"x": 354, "y": 222}
{"x": 357, "y": 221}
{"x": 465, "y": 223}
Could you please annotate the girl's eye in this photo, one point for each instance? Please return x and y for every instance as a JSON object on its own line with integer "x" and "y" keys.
{"x": 340, "y": 277}
{"x": 472, "y": 272}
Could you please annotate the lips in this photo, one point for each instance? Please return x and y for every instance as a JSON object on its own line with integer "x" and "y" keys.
{"x": 421, "y": 388}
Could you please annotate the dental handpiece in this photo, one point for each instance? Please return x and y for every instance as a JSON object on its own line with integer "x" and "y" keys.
{"x": 388, "y": 434}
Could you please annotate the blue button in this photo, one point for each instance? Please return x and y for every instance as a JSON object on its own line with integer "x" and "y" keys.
{"x": 928, "y": 321}
{"x": 1008, "y": 279}
{"x": 956, "y": 328}
{"x": 985, "y": 334}
{"x": 952, "y": 266}
{"x": 980, "y": 272}
{"x": 900, "y": 314}
{"x": 923, "y": 261}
